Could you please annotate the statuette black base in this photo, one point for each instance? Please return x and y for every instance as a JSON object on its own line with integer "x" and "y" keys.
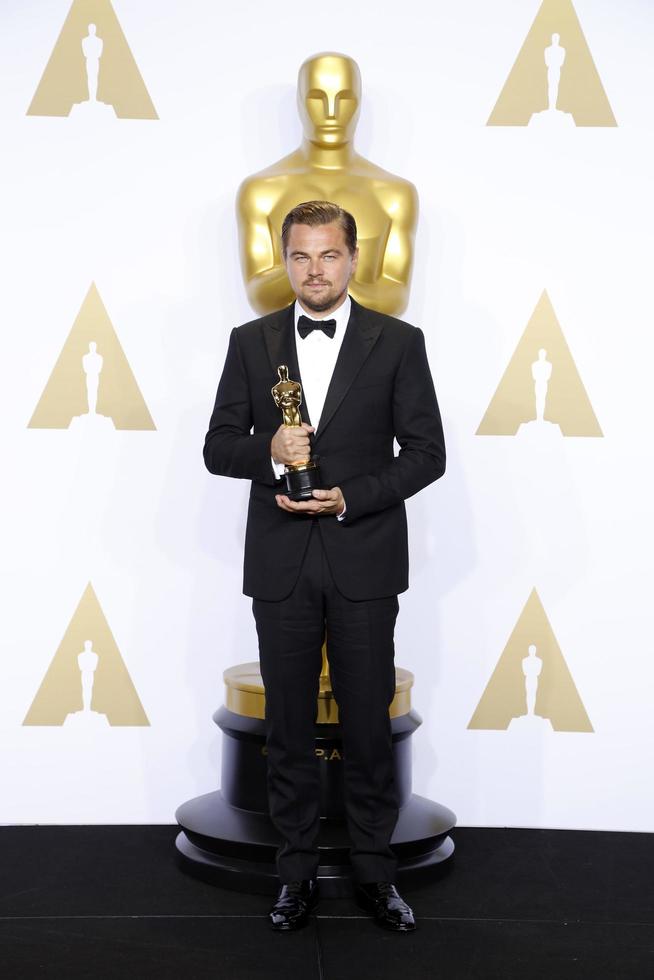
{"x": 300, "y": 483}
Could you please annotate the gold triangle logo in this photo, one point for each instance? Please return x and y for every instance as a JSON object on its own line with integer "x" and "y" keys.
{"x": 554, "y": 82}
{"x": 91, "y": 72}
{"x": 92, "y": 386}
{"x": 541, "y": 391}
{"x": 531, "y": 688}
{"x": 87, "y": 684}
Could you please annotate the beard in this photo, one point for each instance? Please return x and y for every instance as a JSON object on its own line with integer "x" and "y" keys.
{"x": 327, "y": 301}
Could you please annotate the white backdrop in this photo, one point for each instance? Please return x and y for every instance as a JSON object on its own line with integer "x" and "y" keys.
{"x": 145, "y": 209}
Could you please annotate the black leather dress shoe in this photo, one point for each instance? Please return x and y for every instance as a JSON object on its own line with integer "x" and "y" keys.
{"x": 294, "y": 903}
{"x": 390, "y": 910}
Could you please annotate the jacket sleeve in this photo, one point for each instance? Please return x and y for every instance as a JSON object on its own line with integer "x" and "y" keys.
{"x": 230, "y": 447}
{"x": 419, "y": 432}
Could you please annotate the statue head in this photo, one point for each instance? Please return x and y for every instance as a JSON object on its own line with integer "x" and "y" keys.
{"x": 92, "y": 28}
{"x": 88, "y": 645}
{"x": 542, "y": 354}
{"x": 532, "y": 650}
{"x": 329, "y": 97}
{"x": 93, "y": 347}
{"x": 556, "y": 38}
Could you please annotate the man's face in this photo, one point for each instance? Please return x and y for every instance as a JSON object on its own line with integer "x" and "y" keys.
{"x": 319, "y": 265}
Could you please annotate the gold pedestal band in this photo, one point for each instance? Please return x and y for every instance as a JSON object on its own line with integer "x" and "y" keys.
{"x": 245, "y": 695}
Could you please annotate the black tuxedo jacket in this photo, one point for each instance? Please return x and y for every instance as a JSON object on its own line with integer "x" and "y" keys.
{"x": 381, "y": 389}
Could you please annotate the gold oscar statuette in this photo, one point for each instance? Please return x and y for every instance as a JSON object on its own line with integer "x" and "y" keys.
{"x": 326, "y": 167}
{"x": 302, "y": 476}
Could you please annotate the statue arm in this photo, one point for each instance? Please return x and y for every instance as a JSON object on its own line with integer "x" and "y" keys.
{"x": 389, "y": 293}
{"x": 269, "y": 290}
{"x": 266, "y": 282}
{"x": 386, "y": 295}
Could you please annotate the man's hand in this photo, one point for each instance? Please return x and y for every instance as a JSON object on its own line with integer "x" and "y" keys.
{"x": 324, "y": 502}
{"x": 290, "y": 444}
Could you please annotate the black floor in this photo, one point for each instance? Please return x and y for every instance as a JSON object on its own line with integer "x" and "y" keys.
{"x": 109, "y": 902}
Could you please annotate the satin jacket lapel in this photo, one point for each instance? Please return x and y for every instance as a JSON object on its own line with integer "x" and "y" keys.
{"x": 280, "y": 342}
{"x": 360, "y": 338}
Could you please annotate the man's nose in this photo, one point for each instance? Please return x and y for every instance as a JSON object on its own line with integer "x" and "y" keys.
{"x": 315, "y": 266}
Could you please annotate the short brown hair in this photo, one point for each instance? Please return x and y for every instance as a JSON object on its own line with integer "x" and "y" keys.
{"x": 321, "y": 213}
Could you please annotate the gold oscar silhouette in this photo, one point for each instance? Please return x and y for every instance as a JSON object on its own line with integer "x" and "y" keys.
{"x": 87, "y": 685}
{"x": 541, "y": 393}
{"x": 326, "y": 167}
{"x": 535, "y": 692}
{"x": 91, "y": 72}
{"x": 92, "y": 387}
{"x": 554, "y": 83}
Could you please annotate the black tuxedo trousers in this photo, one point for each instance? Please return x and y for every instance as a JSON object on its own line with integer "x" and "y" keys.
{"x": 362, "y": 672}
{"x": 307, "y": 575}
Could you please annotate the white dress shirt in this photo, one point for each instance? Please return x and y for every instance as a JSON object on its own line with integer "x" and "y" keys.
{"x": 316, "y": 356}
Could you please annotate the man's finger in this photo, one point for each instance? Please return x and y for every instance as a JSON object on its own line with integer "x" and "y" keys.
{"x": 297, "y": 505}
{"x": 324, "y": 494}
{"x": 284, "y": 505}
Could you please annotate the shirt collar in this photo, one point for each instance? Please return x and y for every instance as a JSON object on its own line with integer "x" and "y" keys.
{"x": 341, "y": 314}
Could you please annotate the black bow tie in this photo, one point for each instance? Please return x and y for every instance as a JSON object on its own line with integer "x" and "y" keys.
{"x": 305, "y": 325}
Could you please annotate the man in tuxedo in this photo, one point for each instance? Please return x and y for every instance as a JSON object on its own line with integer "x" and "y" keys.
{"x": 336, "y": 563}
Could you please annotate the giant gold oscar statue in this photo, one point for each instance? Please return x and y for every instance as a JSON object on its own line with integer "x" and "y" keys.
{"x": 325, "y": 167}
{"x": 226, "y": 835}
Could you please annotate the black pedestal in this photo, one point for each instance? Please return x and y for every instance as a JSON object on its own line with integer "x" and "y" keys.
{"x": 301, "y": 482}
{"x": 236, "y": 848}
{"x": 227, "y": 837}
